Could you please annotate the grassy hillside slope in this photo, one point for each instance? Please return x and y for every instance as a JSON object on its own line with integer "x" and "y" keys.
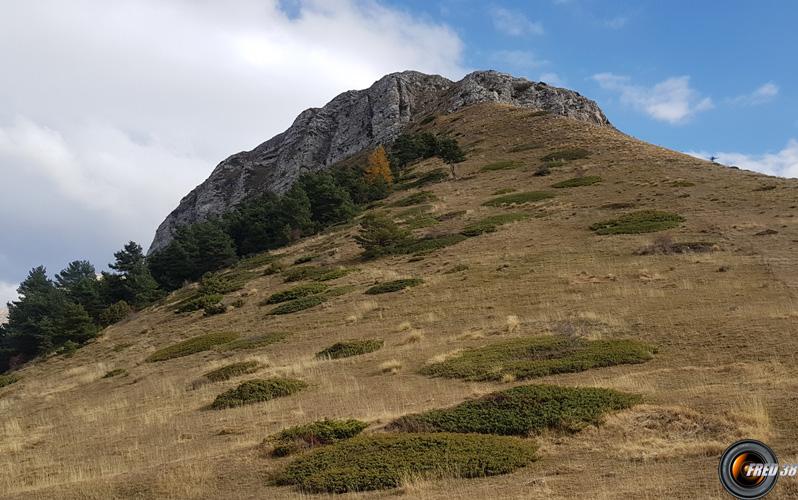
{"x": 723, "y": 322}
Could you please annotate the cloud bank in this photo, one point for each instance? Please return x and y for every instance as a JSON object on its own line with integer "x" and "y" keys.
{"x": 671, "y": 100}
{"x": 111, "y": 111}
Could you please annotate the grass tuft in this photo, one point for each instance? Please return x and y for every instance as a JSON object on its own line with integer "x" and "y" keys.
{"x": 518, "y": 198}
{"x": 257, "y": 391}
{"x": 319, "y": 433}
{"x": 642, "y": 221}
{"x": 375, "y": 462}
{"x": 537, "y": 357}
{"x": 299, "y": 304}
{"x": 349, "y": 348}
{"x": 500, "y": 165}
{"x": 567, "y": 154}
{"x": 521, "y": 411}
{"x": 587, "y": 180}
{"x": 415, "y": 199}
{"x": 8, "y": 380}
{"x": 232, "y": 370}
{"x": 296, "y": 293}
{"x": 192, "y": 346}
{"x": 394, "y": 286}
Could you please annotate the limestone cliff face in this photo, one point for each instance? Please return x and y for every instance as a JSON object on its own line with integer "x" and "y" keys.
{"x": 353, "y": 121}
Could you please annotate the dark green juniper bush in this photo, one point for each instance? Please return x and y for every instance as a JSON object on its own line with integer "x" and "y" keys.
{"x": 349, "y": 348}
{"x": 257, "y": 391}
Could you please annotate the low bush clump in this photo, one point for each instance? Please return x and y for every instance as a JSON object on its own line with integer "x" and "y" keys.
{"x": 430, "y": 244}
{"x": 567, "y": 154}
{"x": 8, "y": 380}
{"x": 315, "y": 273}
{"x": 232, "y": 370}
{"x": 200, "y": 302}
{"x": 539, "y": 356}
{"x": 504, "y": 191}
{"x": 191, "y": 346}
{"x": 415, "y": 199}
{"x": 642, "y": 221}
{"x": 490, "y": 224}
{"x": 500, "y": 165}
{"x": 257, "y": 391}
{"x": 394, "y": 286}
{"x": 457, "y": 268}
{"x": 214, "y": 309}
{"x": 521, "y": 411}
{"x": 682, "y": 184}
{"x": 431, "y": 177}
{"x": 524, "y": 147}
{"x": 382, "y": 461}
{"x": 115, "y": 313}
{"x": 349, "y": 348}
{"x": 295, "y": 293}
{"x": 253, "y": 342}
{"x": 319, "y": 433}
{"x": 518, "y": 198}
{"x": 116, "y": 372}
{"x": 304, "y": 259}
{"x": 299, "y": 304}
{"x": 587, "y": 180}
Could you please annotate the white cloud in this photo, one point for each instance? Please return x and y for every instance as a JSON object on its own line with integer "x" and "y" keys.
{"x": 672, "y": 100}
{"x": 552, "y": 79}
{"x": 783, "y": 163}
{"x": 519, "y": 59}
{"x": 111, "y": 111}
{"x": 514, "y": 23}
{"x": 764, "y": 93}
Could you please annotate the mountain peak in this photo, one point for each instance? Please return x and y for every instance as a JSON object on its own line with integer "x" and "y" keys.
{"x": 356, "y": 120}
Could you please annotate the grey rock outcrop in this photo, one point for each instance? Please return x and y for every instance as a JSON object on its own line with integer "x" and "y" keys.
{"x": 353, "y": 121}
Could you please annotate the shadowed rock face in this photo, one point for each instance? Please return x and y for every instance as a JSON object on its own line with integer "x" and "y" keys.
{"x": 353, "y": 121}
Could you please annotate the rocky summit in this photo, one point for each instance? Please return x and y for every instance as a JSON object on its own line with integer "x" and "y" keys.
{"x": 357, "y": 120}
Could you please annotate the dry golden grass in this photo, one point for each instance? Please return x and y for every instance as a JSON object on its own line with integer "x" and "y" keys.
{"x": 726, "y": 340}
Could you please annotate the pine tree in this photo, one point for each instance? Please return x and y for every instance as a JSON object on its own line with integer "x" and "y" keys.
{"x": 79, "y": 281}
{"x": 133, "y": 282}
{"x": 380, "y": 235}
{"x": 329, "y": 203}
{"x": 450, "y": 152}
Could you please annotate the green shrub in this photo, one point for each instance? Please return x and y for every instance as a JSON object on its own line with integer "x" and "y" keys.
{"x": 430, "y": 244}
{"x": 500, "y": 165}
{"x": 504, "y": 191}
{"x": 319, "y": 433}
{"x": 490, "y": 224}
{"x": 450, "y": 215}
{"x": 200, "y": 302}
{"x": 567, "y": 154}
{"x": 8, "y": 380}
{"x": 315, "y": 273}
{"x": 431, "y": 177}
{"x": 518, "y": 198}
{"x": 256, "y": 391}
{"x": 232, "y": 370}
{"x": 682, "y": 184}
{"x": 349, "y": 348}
{"x": 116, "y": 372}
{"x": 114, "y": 313}
{"x": 643, "y": 221}
{"x": 295, "y": 293}
{"x": 299, "y": 304}
{"x": 394, "y": 286}
{"x": 304, "y": 259}
{"x": 538, "y": 356}
{"x": 521, "y": 411}
{"x": 253, "y": 342}
{"x": 213, "y": 309}
{"x": 587, "y": 180}
{"x": 419, "y": 222}
{"x": 415, "y": 199}
{"x": 382, "y": 461}
{"x": 192, "y": 346}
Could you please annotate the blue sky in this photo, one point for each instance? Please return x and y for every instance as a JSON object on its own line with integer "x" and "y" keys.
{"x": 727, "y": 50}
{"x": 110, "y": 112}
